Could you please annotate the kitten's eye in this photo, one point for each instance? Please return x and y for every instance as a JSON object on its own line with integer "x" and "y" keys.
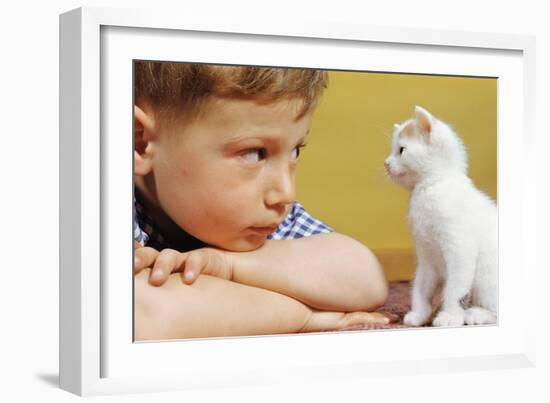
{"x": 401, "y": 150}
{"x": 254, "y": 155}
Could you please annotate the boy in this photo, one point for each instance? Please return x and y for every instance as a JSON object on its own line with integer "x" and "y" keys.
{"x": 216, "y": 150}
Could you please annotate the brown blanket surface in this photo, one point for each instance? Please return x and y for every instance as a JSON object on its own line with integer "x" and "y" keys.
{"x": 398, "y": 303}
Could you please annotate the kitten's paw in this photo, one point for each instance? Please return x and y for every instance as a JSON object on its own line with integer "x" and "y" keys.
{"x": 479, "y": 316}
{"x": 414, "y": 318}
{"x": 445, "y": 319}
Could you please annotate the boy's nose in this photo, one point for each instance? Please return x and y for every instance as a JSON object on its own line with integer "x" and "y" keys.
{"x": 280, "y": 191}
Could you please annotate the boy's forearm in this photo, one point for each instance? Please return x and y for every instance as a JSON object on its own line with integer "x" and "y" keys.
{"x": 211, "y": 307}
{"x": 326, "y": 271}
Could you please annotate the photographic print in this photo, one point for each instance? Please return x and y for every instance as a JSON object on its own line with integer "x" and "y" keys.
{"x": 307, "y": 196}
{"x": 272, "y": 200}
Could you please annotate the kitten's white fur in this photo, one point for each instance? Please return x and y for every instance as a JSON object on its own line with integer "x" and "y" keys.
{"x": 453, "y": 224}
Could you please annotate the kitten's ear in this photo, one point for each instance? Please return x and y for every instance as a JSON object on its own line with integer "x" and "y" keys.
{"x": 396, "y": 127}
{"x": 425, "y": 120}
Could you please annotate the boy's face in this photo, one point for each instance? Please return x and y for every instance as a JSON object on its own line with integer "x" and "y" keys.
{"x": 228, "y": 177}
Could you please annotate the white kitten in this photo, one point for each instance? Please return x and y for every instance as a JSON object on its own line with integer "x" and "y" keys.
{"x": 454, "y": 225}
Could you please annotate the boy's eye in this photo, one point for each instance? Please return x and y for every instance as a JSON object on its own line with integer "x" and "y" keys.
{"x": 254, "y": 155}
{"x": 401, "y": 150}
{"x": 296, "y": 152}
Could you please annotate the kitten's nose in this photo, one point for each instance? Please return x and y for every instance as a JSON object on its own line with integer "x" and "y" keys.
{"x": 387, "y": 164}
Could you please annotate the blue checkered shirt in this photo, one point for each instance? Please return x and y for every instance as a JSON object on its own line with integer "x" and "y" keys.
{"x": 297, "y": 224}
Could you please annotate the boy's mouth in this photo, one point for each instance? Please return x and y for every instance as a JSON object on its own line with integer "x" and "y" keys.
{"x": 264, "y": 230}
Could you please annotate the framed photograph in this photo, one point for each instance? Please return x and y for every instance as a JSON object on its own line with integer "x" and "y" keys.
{"x": 375, "y": 82}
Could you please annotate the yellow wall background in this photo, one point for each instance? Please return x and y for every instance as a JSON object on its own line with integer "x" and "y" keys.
{"x": 341, "y": 176}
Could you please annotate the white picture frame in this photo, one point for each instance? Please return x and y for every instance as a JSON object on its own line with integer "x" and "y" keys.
{"x": 96, "y": 355}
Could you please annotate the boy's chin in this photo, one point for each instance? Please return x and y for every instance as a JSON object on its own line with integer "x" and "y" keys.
{"x": 244, "y": 244}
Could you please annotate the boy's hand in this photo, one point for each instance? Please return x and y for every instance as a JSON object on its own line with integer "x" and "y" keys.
{"x": 324, "y": 321}
{"x": 209, "y": 261}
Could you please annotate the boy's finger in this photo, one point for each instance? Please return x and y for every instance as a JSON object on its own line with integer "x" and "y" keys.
{"x": 361, "y": 319}
{"x": 377, "y": 318}
{"x": 392, "y": 317}
{"x": 144, "y": 257}
{"x": 165, "y": 263}
{"x": 192, "y": 267}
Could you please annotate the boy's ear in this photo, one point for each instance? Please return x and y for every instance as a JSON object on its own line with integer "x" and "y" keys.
{"x": 144, "y": 132}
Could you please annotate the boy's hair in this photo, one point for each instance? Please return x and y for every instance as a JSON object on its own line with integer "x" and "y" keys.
{"x": 171, "y": 88}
